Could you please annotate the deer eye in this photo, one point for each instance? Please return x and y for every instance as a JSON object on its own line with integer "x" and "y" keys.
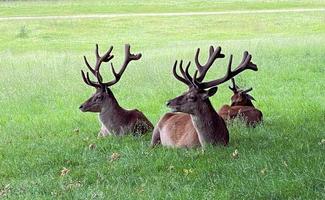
{"x": 192, "y": 98}
{"x": 99, "y": 98}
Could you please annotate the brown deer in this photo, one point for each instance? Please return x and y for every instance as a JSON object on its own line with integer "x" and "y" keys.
{"x": 241, "y": 106}
{"x": 114, "y": 119}
{"x": 193, "y": 121}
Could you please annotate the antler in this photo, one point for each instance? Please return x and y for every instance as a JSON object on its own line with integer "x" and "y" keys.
{"x": 95, "y": 71}
{"x": 247, "y": 90}
{"x": 187, "y": 79}
{"x": 183, "y": 79}
{"x": 234, "y": 87}
{"x": 106, "y": 58}
{"x": 213, "y": 55}
{"x": 245, "y": 64}
{"x": 202, "y": 70}
{"x": 128, "y": 58}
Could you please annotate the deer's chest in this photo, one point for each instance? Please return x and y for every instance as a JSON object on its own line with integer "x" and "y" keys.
{"x": 115, "y": 126}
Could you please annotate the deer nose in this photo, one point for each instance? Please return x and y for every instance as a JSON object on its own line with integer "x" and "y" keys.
{"x": 80, "y": 107}
{"x": 167, "y": 103}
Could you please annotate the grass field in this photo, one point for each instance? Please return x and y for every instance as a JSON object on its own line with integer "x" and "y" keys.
{"x": 51, "y": 7}
{"x": 41, "y": 90}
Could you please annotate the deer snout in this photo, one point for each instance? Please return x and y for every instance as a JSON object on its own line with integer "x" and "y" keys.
{"x": 82, "y": 108}
{"x": 167, "y": 103}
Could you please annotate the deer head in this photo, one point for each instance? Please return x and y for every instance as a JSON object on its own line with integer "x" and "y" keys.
{"x": 240, "y": 97}
{"x": 199, "y": 92}
{"x": 103, "y": 95}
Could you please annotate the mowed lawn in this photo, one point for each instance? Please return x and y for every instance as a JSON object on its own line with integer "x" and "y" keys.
{"x": 42, "y": 132}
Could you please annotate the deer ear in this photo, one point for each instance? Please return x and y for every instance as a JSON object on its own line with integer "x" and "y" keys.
{"x": 250, "y": 97}
{"x": 210, "y": 92}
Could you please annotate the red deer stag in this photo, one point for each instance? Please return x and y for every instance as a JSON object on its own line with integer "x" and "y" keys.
{"x": 241, "y": 106}
{"x": 114, "y": 119}
{"x": 193, "y": 121}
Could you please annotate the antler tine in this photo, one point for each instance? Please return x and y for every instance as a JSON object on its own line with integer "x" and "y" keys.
{"x": 213, "y": 55}
{"x": 87, "y": 80}
{"x": 234, "y": 87}
{"x": 245, "y": 64}
{"x": 177, "y": 76}
{"x": 97, "y": 52}
{"x": 195, "y": 81}
{"x": 88, "y": 65}
{"x": 247, "y": 90}
{"x": 99, "y": 60}
{"x": 128, "y": 58}
{"x": 107, "y": 56}
{"x": 84, "y": 77}
{"x": 92, "y": 83}
{"x": 211, "y": 50}
{"x": 97, "y": 66}
{"x": 95, "y": 71}
{"x": 185, "y": 73}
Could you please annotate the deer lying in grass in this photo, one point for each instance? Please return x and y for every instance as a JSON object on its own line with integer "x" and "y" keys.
{"x": 193, "y": 121}
{"x": 241, "y": 106}
{"x": 114, "y": 119}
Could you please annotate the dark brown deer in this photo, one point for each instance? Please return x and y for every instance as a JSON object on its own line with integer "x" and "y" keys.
{"x": 241, "y": 106}
{"x": 193, "y": 121}
{"x": 114, "y": 119}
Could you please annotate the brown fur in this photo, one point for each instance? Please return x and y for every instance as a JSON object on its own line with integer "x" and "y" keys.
{"x": 175, "y": 130}
{"x": 114, "y": 119}
{"x": 194, "y": 121}
{"x": 241, "y": 106}
{"x": 250, "y": 114}
{"x": 201, "y": 127}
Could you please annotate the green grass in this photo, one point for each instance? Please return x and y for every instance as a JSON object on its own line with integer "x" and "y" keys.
{"x": 41, "y": 90}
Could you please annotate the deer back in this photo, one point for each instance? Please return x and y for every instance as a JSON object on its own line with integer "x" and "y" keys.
{"x": 250, "y": 115}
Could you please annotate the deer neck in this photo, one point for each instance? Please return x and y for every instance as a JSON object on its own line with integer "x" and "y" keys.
{"x": 248, "y": 103}
{"x": 209, "y": 125}
{"x": 111, "y": 113}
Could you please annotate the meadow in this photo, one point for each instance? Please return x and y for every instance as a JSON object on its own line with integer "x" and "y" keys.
{"x": 43, "y": 134}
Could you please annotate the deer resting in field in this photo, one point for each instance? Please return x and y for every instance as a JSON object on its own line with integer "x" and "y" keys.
{"x": 193, "y": 121}
{"x": 241, "y": 106}
{"x": 114, "y": 119}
